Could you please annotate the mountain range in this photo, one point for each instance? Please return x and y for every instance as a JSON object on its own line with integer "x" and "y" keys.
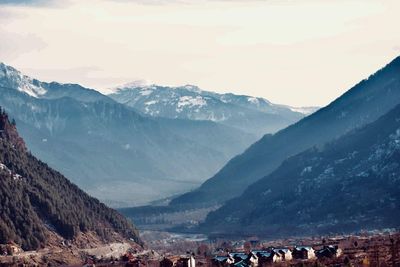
{"x": 253, "y": 115}
{"x": 362, "y": 104}
{"x": 115, "y": 151}
{"x": 335, "y": 170}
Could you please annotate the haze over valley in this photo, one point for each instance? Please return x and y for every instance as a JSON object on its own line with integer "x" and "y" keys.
{"x": 184, "y": 133}
{"x": 126, "y": 151}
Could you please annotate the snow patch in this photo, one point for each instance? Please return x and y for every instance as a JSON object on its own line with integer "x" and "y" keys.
{"x": 190, "y": 101}
{"x": 306, "y": 170}
{"x": 26, "y": 85}
{"x": 152, "y": 102}
{"x": 15, "y": 176}
{"x": 4, "y": 167}
{"x": 304, "y": 110}
{"x": 146, "y": 92}
{"x": 253, "y": 100}
{"x": 138, "y": 84}
{"x": 22, "y": 83}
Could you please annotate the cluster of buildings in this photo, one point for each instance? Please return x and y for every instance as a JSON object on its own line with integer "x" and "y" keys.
{"x": 274, "y": 255}
{"x": 253, "y": 258}
{"x": 375, "y": 249}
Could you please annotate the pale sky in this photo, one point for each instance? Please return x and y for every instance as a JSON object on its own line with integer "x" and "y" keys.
{"x": 299, "y": 52}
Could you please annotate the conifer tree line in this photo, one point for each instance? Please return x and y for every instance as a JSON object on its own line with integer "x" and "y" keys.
{"x": 35, "y": 199}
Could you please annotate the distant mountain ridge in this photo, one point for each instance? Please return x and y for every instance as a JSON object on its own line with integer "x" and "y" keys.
{"x": 347, "y": 185}
{"x": 13, "y": 78}
{"x": 111, "y": 150}
{"x": 255, "y": 115}
{"x": 362, "y": 104}
{"x": 38, "y": 205}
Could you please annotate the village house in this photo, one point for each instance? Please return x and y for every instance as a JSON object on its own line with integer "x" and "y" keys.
{"x": 267, "y": 257}
{"x": 238, "y": 256}
{"x": 178, "y": 261}
{"x": 252, "y": 259}
{"x": 242, "y": 258}
{"x": 285, "y": 253}
{"x": 329, "y": 252}
{"x": 303, "y": 253}
{"x": 186, "y": 261}
{"x": 219, "y": 261}
{"x": 271, "y": 255}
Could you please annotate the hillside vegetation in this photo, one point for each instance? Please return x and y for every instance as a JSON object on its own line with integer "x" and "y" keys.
{"x": 36, "y": 200}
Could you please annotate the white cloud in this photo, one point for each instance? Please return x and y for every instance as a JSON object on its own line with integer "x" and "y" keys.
{"x": 296, "y": 52}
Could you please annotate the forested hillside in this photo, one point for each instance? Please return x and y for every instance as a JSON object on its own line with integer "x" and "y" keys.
{"x": 362, "y": 104}
{"x": 36, "y": 200}
{"x": 346, "y": 185}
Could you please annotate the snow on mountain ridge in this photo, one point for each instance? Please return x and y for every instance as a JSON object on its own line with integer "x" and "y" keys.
{"x": 137, "y": 83}
{"x": 194, "y": 102}
{"x": 253, "y": 100}
{"x": 304, "y": 110}
{"x": 190, "y": 101}
{"x": 10, "y": 77}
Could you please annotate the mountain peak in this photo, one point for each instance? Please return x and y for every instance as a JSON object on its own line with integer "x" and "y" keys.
{"x": 137, "y": 84}
{"x": 190, "y": 87}
{"x": 12, "y": 78}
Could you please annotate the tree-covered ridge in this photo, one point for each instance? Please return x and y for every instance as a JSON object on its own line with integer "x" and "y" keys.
{"x": 346, "y": 185}
{"x": 35, "y": 199}
{"x": 362, "y": 104}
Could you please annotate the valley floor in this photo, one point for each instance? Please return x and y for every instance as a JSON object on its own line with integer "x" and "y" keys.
{"x": 376, "y": 248}
{"x": 379, "y": 248}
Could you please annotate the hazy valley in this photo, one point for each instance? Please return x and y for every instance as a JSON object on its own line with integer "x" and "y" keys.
{"x": 120, "y": 154}
{"x": 199, "y": 133}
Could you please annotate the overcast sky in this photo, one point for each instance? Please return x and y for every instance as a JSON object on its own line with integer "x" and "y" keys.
{"x": 300, "y": 52}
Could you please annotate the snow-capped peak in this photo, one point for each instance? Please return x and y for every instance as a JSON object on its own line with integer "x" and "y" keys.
{"x": 253, "y": 100}
{"x": 191, "y": 88}
{"x": 12, "y": 78}
{"x": 137, "y": 83}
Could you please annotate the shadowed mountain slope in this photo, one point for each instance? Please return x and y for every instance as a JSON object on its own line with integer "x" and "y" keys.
{"x": 362, "y": 104}
{"x": 347, "y": 185}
